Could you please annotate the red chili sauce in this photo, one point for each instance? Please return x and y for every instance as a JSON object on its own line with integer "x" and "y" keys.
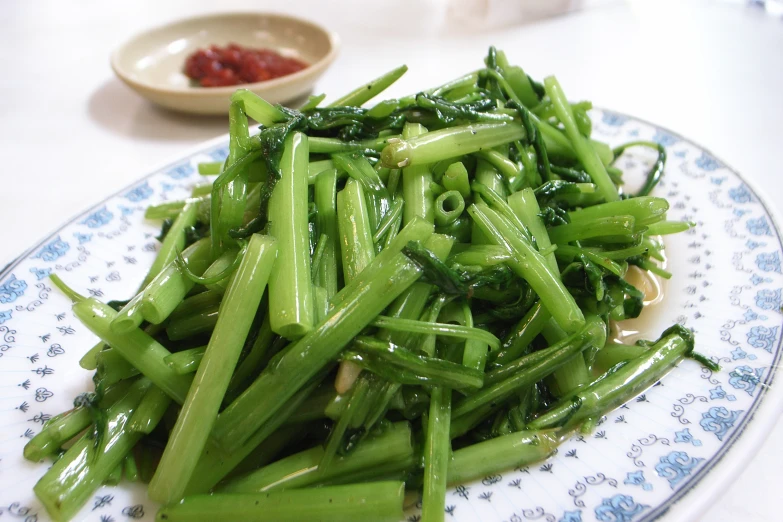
{"x": 234, "y": 65}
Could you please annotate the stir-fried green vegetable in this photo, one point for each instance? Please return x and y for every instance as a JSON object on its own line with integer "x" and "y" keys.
{"x": 443, "y": 269}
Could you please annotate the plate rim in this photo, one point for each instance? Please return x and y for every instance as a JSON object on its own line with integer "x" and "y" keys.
{"x": 722, "y": 469}
{"x": 712, "y": 479}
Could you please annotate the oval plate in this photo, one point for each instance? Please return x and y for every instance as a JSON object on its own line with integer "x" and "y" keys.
{"x": 665, "y": 453}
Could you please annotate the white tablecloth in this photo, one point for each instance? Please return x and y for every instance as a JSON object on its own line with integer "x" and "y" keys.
{"x": 72, "y": 134}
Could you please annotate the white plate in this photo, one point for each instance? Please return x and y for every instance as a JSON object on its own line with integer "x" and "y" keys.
{"x": 664, "y": 454}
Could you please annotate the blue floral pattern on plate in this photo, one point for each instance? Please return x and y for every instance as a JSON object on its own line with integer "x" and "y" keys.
{"x": 642, "y": 457}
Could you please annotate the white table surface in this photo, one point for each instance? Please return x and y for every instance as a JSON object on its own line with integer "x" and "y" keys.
{"x": 72, "y": 134}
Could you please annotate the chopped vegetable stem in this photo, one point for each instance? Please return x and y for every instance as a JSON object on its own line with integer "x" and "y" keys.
{"x": 200, "y": 408}
{"x": 290, "y": 291}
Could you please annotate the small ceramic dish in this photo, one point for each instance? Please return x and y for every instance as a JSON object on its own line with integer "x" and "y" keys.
{"x": 152, "y": 62}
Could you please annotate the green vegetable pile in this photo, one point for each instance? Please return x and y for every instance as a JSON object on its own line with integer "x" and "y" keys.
{"x": 367, "y": 301}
